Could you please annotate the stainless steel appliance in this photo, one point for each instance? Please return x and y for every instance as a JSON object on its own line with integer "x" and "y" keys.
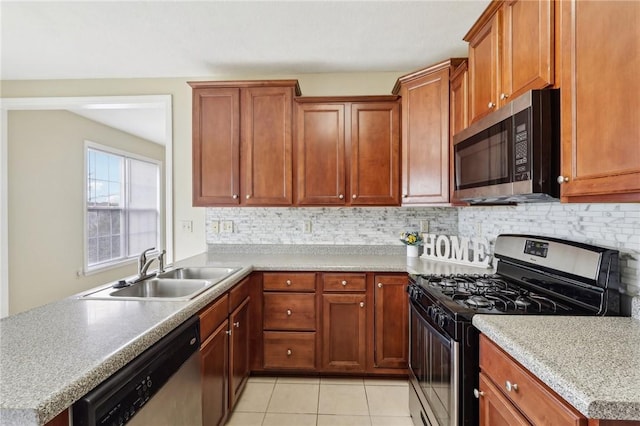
{"x": 534, "y": 275}
{"x": 159, "y": 387}
{"x": 513, "y": 154}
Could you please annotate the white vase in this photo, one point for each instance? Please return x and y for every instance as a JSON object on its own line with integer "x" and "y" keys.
{"x": 413, "y": 251}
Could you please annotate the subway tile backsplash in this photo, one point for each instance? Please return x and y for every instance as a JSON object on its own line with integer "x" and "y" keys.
{"x": 608, "y": 225}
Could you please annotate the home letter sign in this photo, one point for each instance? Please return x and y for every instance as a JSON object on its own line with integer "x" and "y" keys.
{"x": 451, "y": 248}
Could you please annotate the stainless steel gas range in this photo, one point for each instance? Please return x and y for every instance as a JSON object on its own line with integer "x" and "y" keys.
{"x": 534, "y": 276}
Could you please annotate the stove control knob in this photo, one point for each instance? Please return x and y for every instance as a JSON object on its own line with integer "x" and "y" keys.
{"x": 442, "y": 320}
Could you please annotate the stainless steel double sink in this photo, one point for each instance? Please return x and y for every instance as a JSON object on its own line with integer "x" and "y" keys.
{"x": 172, "y": 285}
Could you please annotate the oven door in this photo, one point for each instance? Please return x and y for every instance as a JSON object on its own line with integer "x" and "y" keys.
{"x": 434, "y": 369}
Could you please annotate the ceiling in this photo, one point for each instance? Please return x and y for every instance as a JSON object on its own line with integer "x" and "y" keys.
{"x": 191, "y": 39}
{"x": 145, "y": 39}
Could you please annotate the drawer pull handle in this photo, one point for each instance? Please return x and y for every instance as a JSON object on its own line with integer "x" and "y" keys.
{"x": 362, "y": 304}
{"x": 228, "y": 332}
{"x": 511, "y": 386}
{"x": 289, "y": 312}
{"x": 477, "y": 393}
{"x": 344, "y": 282}
{"x": 288, "y": 282}
{"x": 289, "y": 352}
{"x": 379, "y": 285}
{"x": 236, "y": 324}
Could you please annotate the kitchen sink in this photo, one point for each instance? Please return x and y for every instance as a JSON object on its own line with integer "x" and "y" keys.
{"x": 203, "y": 273}
{"x": 156, "y": 287}
{"x": 176, "y": 284}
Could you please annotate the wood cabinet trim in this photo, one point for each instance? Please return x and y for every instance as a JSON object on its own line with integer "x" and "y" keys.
{"x": 485, "y": 18}
{"x": 346, "y": 99}
{"x": 450, "y": 64}
{"x": 247, "y": 83}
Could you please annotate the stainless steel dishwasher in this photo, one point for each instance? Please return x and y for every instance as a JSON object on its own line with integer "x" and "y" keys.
{"x": 160, "y": 387}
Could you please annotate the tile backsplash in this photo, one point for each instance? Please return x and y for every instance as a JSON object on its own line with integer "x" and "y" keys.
{"x": 329, "y": 225}
{"x": 609, "y": 225}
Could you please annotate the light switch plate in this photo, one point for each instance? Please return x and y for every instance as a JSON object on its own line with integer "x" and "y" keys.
{"x": 227, "y": 226}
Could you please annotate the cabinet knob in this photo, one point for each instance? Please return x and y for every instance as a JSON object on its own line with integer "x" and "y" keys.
{"x": 341, "y": 196}
{"x": 289, "y": 312}
{"x": 362, "y": 304}
{"x": 228, "y": 332}
{"x": 288, "y": 282}
{"x": 405, "y": 195}
{"x": 354, "y": 196}
{"x": 511, "y": 386}
{"x": 289, "y": 352}
{"x": 235, "y": 196}
{"x": 379, "y": 285}
{"x": 491, "y": 105}
{"x": 477, "y": 393}
{"x": 236, "y": 324}
{"x": 344, "y": 282}
{"x": 248, "y": 196}
{"x": 503, "y": 96}
{"x": 562, "y": 179}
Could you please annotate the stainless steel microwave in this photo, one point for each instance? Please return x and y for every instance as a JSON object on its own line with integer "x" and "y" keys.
{"x": 513, "y": 154}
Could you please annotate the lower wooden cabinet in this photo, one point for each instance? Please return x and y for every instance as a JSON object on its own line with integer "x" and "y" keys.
{"x": 224, "y": 352}
{"x": 344, "y": 343}
{"x": 391, "y": 322}
{"x": 510, "y": 393}
{"x": 334, "y": 322}
{"x": 215, "y": 376}
{"x": 286, "y": 350}
{"x": 239, "y": 327}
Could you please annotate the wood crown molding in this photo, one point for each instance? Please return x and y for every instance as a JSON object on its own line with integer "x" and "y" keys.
{"x": 486, "y": 16}
{"x": 340, "y": 99}
{"x": 247, "y": 83}
{"x": 451, "y": 63}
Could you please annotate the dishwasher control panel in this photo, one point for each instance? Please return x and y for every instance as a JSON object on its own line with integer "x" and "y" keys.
{"x": 116, "y": 401}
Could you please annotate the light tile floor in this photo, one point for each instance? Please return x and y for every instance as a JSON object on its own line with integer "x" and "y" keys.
{"x": 296, "y": 401}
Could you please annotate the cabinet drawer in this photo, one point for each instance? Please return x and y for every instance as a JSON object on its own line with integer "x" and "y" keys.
{"x": 286, "y": 281}
{"x": 534, "y": 399}
{"x": 238, "y": 293}
{"x": 289, "y": 311}
{"x": 290, "y": 350}
{"x": 212, "y": 316}
{"x": 344, "y": 282}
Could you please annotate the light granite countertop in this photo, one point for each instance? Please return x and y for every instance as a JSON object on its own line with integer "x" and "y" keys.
{"x": 591, "y": 362}
{"x": 52, "y": 355}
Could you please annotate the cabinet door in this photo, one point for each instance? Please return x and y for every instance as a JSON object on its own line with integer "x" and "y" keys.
{"x": 484, "y": 68}
{"x": 425, "y": 139}
{"x": 215, "y": 376}
{"x": 375, "y": 153}
{"x": 238, "y": 351}
{"x": 528, "y": 49}
{"x": 391, "y": 321}
{"x": 458, "y": 116}
{"x": 216, "y": 146}
{"x": 344, "y": 332}
{"x": 599, "y": 101}
{"x": 267, "y": 144}
{"x": 495, "y": 409}
{"x": 320, "y": 147}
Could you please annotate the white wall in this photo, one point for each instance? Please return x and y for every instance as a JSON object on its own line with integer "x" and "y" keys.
{"x": 45, "y": 199}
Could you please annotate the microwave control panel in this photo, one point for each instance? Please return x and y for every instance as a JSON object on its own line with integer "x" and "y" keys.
{"x": 522, "y": 168}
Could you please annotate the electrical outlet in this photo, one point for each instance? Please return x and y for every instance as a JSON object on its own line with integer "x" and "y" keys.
{"x": 227, "y": 226}
{"x": 187, "y": 226}
{"x": 214, "y": 227}
{"x": 306, "y": 227}
{"x": 424, "y": 226}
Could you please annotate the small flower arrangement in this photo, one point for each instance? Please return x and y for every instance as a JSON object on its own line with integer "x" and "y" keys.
{"x": 411, "y": 238}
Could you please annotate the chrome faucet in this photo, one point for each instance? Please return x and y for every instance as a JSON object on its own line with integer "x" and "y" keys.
{"x": 144, "y": 263}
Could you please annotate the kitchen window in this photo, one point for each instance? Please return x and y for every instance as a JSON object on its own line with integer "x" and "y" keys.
{"x": 122, "y": 214}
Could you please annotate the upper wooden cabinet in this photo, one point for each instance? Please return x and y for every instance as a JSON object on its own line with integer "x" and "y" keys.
{"x": 347, "y": 151}
{"x": 600, "y": 101}
{"x": 458, "y": 115}
{"x": 425, "y": 133}
{"x": 242, "y": 142}
{"x": 511, "y": 51}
